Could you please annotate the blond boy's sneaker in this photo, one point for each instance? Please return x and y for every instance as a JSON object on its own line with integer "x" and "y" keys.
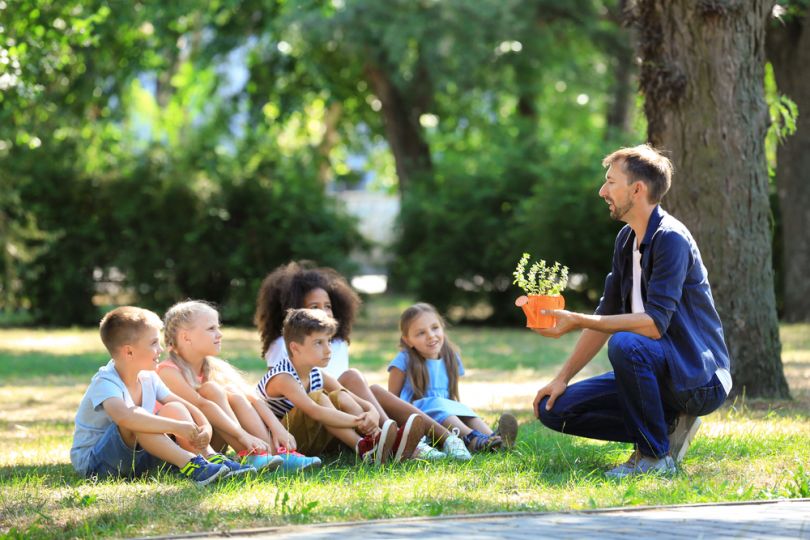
{"x": 426, "y": 452}
{"x": 377, "y": 449}
{"x": 507, "y": 429}
{"x": 455, "y": 448}
{"x": 408, "y": 436}
{"x": 681, "y": 435}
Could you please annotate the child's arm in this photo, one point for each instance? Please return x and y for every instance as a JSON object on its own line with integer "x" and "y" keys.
{"x": 281, "y": 436}
{"x": 198, "y": 417}
{"x": 218, "y": 418}
{"x": 139, "y": 420}
{"x": 396, "y": 380}
{"x": 284, "y": 385}
{"x": 370, "y": 416}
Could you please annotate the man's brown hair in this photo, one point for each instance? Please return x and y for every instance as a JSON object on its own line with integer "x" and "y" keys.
{"x": 300, "y": 323}
{"x": 646, "y": 164}
{"x": 124, "y": 325}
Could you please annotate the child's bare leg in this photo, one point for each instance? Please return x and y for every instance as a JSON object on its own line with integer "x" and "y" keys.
{"x": 455, "y": 422}
{"x": 400, "y": 411}
{"x": 354, "y": 381}
{"x": 216, "y": 394}
{"x": 178, "y": 411}
{"x": 347, "y": 436}
{"x": 476, "y": 423}
{"x": 159, "y": 444}
{"x": 248, "y": 418}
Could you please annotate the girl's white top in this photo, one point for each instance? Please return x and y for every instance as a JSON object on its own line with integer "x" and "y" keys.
{"x": 338, "y": 364}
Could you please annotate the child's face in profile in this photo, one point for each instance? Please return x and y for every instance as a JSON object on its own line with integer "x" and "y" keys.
{"x": 318, "y": 299}
{"x": 204, "y": 337}
{"x": 426, "y": 335}
{"x": 145, "y": 351}
{"x": 315, "y": 351}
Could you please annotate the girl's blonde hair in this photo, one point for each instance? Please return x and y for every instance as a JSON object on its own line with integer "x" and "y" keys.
{"x": 417, "y": 370}
{"x": 181, "y": 316}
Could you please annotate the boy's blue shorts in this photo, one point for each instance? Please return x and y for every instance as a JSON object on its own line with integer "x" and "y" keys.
{"x": 112, "y": 457}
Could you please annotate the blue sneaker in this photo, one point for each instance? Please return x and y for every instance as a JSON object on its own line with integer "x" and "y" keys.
{"x": 202, "y": 472}
{"x": 234, "y": 468}
{"x": 295, "y": 462}
{"x": 261, "y": 462}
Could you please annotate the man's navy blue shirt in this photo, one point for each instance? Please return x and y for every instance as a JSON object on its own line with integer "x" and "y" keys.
{"x": 677, "y": 296}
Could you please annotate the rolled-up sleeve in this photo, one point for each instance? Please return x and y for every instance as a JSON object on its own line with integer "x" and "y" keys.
{"x": 671, "y": 259}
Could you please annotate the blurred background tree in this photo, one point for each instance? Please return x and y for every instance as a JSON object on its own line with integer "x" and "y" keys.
{"x": 154, "y": 151}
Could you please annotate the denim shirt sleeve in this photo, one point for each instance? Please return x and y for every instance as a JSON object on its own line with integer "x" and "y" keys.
{"x": 611, "y": 301}
{"x": 670, "y": 254}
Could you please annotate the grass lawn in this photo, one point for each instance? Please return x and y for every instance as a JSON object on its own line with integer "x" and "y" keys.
{"x": 747, "y": 450}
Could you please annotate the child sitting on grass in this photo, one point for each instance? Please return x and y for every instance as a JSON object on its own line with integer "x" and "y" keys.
{"x": 238, "y": 417}
{"x": 315, "y": 408}
{"x": 426, "y": 373}
{"x": 118, "y": 433}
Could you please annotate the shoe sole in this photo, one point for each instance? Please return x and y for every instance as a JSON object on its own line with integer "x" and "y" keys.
{"x": 240, "y": 472}
{"x": 683, "y": 445}
{"x": 412, "y": 433}
{"x": 508, "y": 429}
{"x": 386, "y": 444}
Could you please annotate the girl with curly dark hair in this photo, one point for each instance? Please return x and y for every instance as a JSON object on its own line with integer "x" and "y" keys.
{"x": 304, "y": 285}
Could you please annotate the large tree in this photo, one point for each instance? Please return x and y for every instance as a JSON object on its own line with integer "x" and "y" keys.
{"x": 788, "y": 49}
{"x": 702, "y": 76}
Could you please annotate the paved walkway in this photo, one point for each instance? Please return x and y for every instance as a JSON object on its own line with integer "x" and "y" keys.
{"x": 777, "y": 520}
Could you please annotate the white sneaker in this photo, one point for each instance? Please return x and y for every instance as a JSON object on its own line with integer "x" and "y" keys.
{"x": 455, "y": 448}
{"x": 426, "y": 452}
{"x": 684, "y": 431}
{"x": 644, "y": 465}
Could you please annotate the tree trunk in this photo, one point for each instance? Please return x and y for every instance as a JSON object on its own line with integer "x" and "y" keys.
{"x": 788, "y": 49}
{"x": 402, "y": 128}
{"x": 702, "y": 76}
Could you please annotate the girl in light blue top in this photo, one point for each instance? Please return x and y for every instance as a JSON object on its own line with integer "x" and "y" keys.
{"x": 426, "y": 373}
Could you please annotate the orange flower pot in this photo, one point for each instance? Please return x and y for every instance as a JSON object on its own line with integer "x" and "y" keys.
{"x": 533, "y": 304}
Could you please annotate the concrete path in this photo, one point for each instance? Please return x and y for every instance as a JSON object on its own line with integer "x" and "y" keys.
{"x": 776, "y": 520}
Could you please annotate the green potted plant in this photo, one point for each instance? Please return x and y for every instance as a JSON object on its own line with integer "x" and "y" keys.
{"x": 543, "y": 286}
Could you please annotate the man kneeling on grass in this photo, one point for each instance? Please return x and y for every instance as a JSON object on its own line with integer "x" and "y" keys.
{"x": 118, "y": 433}
{"x": 670, "y": 362}
{"x": 317, "y": 410}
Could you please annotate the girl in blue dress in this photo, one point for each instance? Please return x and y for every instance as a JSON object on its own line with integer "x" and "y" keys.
{"x": 426, "y": 373}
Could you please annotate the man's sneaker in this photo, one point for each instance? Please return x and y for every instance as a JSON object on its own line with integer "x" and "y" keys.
{"x": 408, "y": 436}
{"x": 234, "y": 467}
{"x": 479, "y": 442}
{"x": 261, "y": 461}
{"x": 644, "y": 465}
{"x": 455, "y": 448}
{"x": 507, "y": 429}
{"x": 681, "y": 435}
{"x": 294, "y": 462}
{"x": 426, "y": 452}
{"x": 377, "y": 449}
{"x": 201, "y": 471}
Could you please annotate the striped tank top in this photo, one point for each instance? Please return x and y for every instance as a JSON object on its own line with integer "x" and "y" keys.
{"x": 279, "y": 404}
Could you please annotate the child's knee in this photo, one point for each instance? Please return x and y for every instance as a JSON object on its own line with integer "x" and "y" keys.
{"x": 211, "y": 390}
{"x": 351, "y": 377}
{"x": 175, "y": 411}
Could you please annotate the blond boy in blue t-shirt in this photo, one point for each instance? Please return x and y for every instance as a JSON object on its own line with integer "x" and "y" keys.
{"x": 129, "y": 423}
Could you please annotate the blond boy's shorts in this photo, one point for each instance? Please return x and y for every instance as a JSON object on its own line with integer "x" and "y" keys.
{"x": 312, "y": 437}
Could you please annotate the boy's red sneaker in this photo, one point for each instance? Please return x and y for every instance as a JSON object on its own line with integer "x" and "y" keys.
{"x": 377, "y": 449}
{"x": 408, "y": 436}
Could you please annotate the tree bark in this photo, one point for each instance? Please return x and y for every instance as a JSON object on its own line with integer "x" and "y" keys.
{"x": 402, "y": 128}
{"x": 788, "y": 49}
{"x": 702, "y": 76}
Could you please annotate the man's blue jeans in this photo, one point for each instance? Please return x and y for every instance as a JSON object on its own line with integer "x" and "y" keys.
{"x": 633, "y": 403}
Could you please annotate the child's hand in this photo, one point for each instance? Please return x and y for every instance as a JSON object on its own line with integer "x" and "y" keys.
{"x": 202, "y": 438}
{"x": 253, "y": 444}
{"x": 366, "y": 423}
{"x": 284, "y": 438}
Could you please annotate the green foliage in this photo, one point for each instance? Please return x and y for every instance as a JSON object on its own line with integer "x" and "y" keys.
{"x": 540, "y": 279}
